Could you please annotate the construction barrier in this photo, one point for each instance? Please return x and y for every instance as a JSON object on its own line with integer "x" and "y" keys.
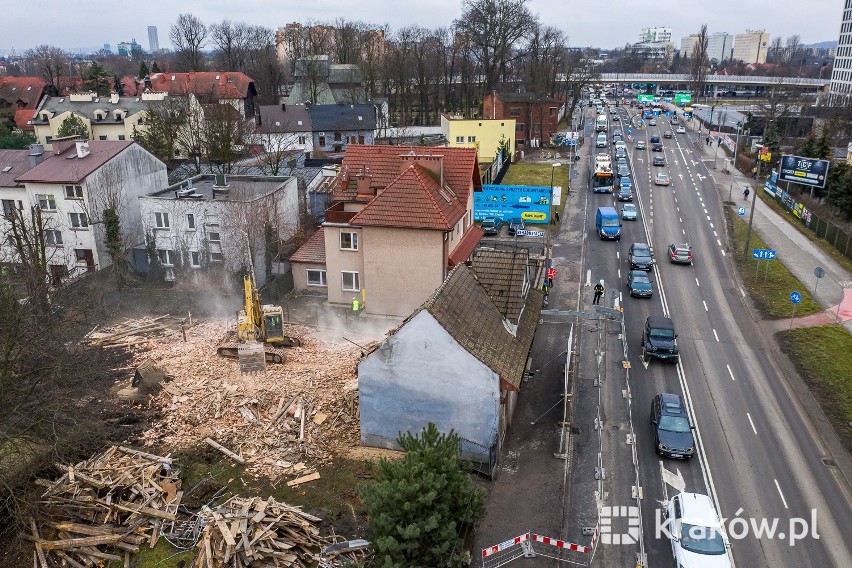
{"x": 506, "y": 551}
{"x": 532, "y": 545}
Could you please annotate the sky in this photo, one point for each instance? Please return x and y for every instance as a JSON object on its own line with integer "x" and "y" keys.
{"x": 595, "y": 23}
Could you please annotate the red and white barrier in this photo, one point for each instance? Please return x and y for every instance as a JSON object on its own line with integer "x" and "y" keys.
{"x": 560, "y": 543}
{"x": 486, "y": 552}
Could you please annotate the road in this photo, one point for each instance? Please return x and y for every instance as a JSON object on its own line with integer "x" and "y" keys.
{"x": 759, "y": 455}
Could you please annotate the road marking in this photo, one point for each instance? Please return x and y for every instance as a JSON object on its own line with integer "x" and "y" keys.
{"x": 781, "y": 494}
{"x": 697, "y": 283}
{"x": 683, "y": 231}
{"x": 705, "y": 306}
{"x": 618, "y": 255}
{"x": 619, "y": 274}
{"x": 708, "y": 216}
{"x": 711, "y": 226}
{"x": 716, "y": 335}
{"x": 589, "y": 277}
{"x": 730, "y": 372}
{"x": 718, "y": 242}
{"x": 715, "y": 234}
{"x": 753, "y": 429}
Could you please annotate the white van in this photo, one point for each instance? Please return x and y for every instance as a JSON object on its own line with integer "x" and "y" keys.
{"x": 601, "y": 140}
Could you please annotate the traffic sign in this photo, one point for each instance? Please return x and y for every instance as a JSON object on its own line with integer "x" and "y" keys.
{"x": 764, "y": 254}
{"x": 525, "y": 233}
{"x": 741, "y": 211}
{"x": 819, "y": 272}
{"x": 795, "y": 297}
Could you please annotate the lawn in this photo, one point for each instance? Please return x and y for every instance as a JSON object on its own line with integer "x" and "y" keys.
{"x": 538, "y": 174}
{"x": 770, "y": 291}
{"x": 823, "y": 357}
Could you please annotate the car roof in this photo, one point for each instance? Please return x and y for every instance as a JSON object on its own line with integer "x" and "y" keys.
{"x": 640, "y": 246}
{"x": 660, "y": 322}
{"x": 672, "y": 404}
{"x": 629, "y": 206}
{"x": 698, "y": 509}
{"x": 640, "y": 274}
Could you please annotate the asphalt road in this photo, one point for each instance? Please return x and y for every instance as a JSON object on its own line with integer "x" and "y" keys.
{"x": 759, "y": 455}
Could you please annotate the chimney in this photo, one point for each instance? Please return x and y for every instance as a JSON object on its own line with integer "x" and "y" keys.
{"x": 362, "y": 186}
{"x": 36, "y": 155}
{"x": 82, "y": 149}
{"x": 113, "y": 98}
{"x": 62, "y": 144}
{"x": 432, "y": 163}
{"x": 221, "y": 181}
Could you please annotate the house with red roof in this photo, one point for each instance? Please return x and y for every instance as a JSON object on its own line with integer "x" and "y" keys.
{"x": 400, "y": 220}
{"x": 209, "y": 87}
{"x": 21, "y": 94}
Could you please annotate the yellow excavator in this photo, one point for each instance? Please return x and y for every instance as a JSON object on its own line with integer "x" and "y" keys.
{"x": 259, "y": 322}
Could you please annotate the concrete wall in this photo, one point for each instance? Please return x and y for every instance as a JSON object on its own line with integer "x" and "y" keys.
{"x": 300, "y": 277}
{"x": 421, "y": 375}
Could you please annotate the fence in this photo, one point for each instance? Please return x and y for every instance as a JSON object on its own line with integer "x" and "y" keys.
{"x": 474, "y": 452}
{"x": 532, "y": 545}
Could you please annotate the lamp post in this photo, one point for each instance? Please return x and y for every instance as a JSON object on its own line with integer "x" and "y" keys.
{"x": 550, "y": 209}
{"x": 733, "y": 169}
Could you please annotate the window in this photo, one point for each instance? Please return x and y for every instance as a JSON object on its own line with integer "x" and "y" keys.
{"x": 46, "y": 202}
{"x": 349, "y": 241}
{"x": 167, "y": 257}
{"x": 80, "y": 254}
{"x": 216, "y": 256}
{"x": 322, "y": 141}
{"x": 190, "y": 221}
{"x": 213, "y": 237}
{"x": 519, "y": 127}
{"x": 302, "y": 140}
{"x": 8, "y": 207}
{"x": 471, "y": 139}
{"x": 161, "y": 220}
{"x": 102, "y": 137}
{"x": 317, "y": 278}
{"x": 121, "y": 137}
{"x": 514, "y": 112}
{"x": 212, "y": 220}
{"x": 73, "y": 192}
{"x": 337, "y": 137}
{"x": 47, "y": 139}
{"x": 195, "y": 258}
{"x": 552, "y": 111}
{"x": 459, "y": 139}
{"x": 360, "y": 139}
{"x": 79, "y": 220}
{"x": 351, "y": 282}
{"x": 53, "y": 237}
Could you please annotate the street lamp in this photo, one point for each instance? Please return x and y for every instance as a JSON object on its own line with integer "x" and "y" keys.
{"x": 736, "y": 147}
{"x": 550, "y": 208}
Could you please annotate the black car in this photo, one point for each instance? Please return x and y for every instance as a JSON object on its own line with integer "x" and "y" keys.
{"x": 641, "y": 257}
{"x": 639, "y": 284}
{"x": 516, "y": 225}
{"x": 623, "y": 171}
{"x": 625, "y": 193}
{"x": 659, "y": 339}
{"x": 655, "y": 139}
{"x": 672, "y": 428}
{"x": 657, "y": 147}
{"x": 491, "y": 225}
{"x": 659, "y": 161}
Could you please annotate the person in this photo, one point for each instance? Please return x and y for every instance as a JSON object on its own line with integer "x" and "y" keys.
{"x": 356, "y": 306}
{"x": 707, "y": 140}
{"x": 746, "y": 191}
{"x": 599, "y": 290}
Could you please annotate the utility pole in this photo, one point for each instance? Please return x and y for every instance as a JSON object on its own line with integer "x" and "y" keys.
{"x": 736, "y": 147}
{"x": 750, "y": 220}
{"x": 550, "y": 210}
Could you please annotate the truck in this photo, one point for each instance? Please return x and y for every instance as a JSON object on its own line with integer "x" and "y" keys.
{"x": 607, "y": 223}
{"x": 601, "y": 123}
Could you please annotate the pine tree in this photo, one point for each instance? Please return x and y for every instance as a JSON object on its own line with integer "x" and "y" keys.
{"x": 419, "y": 505}
{"x": 143, "y": 70}
{"x": 155, "y": 68}
{"x": 73, "y": 126}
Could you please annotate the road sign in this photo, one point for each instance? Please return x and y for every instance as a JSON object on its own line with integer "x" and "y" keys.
{"x": 741, "y": 211}
{"x": 525, "y": 233}
{"x": 795, "y": 297}
{"x": 708, "y": 116}
{"x": 806, "y": 171}
{"x": 819, "y": 272}
{"x": 764, "y": 254}
{"x": 630, "y": 131}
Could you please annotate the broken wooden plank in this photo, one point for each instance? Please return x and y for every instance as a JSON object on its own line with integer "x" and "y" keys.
{"x": 152, "y": 457}
{"x": 236, "y": 457}
{"x": 81, "y": 542}
{"x": 304, "y": 479}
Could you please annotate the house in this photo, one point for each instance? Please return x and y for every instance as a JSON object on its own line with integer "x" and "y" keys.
{"x": 457, "y": 362}
{"x": 209, "y": 87}
{"x": 320, "y": 82}
{"x": 536, "y": 117}
{"x": 285, "y": 127}
{"x": 13, "y": 194}
{"x": 19, "y": 96}
{"x": 210, "y": 220}
{"x": 336, "y": 126}
{"x": 486, "y": 135}
{"x": 74, "y": 183}
{"x": 400, "y": 220}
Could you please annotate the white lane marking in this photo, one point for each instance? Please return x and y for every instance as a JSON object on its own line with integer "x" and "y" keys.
{"x": 730, "y": 372}
{"x": 679, "y": 220}
{"x": 718, "y": 242}
{"x": 684, "y": 231}
{"x": 781, "y": 494}
{"x": 708, "y": 216}
{"x": 716, "y": 335}
{"x": 618, "y": 255}
{"x": 705, "y": 211}
{"x": 723, "y": 253}
{"x": 753, "y": 429}
{"x": 711, "y": 226}
{"x": 706, "y": 309}
{"x": 715, "y": 235}
{"x": 619, "y": 273}
{"x": 697, "y": 283}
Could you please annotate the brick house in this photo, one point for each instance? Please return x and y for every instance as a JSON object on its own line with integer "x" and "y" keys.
{"x": 536, "y": 117}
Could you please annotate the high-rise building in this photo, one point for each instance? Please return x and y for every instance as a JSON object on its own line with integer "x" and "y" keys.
{"x": 107, "y": 49}
{"x": 751, "y": 46}
{"x": 153, "y": 41}
{"x": 655, "y": 35}
{"x": 841, "y": 74}
{"x": 720, "y": 46}
{"x": 687, "y": 44}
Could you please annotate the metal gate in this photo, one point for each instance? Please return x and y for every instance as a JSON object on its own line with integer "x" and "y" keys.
{"x": 532, "y": 545}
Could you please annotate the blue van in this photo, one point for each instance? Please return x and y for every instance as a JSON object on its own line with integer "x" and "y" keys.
{"x": 607, "y": 223}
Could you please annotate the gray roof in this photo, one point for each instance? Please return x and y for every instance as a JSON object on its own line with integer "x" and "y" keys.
{"x": 284, "y": 118}
{"x": 237, "y": 188}
{"x": 18, "y": 163}
{"x": 131, "y": 105}
{"x": 501, "y": 273}
{"x": 304, "y": 175}
{"x": 344, "y": 73}
{"x": 341, "y": 117}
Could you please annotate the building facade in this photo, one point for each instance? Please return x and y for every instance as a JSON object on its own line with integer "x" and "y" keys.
{"x": 335, "y": 127}
{"x": 841, "y": 74}
{"x": 656, "y": 34}
{"x": 486, "y": 135}
{"x": 687, "y": 45}
{"x": 751, "y": 46}
{"x": 720, "y": 46}
{"x": 153, "y": 40}
{"x": 536, "y": 118}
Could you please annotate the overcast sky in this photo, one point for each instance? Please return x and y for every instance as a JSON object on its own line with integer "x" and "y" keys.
{"x": 597, "y": 23}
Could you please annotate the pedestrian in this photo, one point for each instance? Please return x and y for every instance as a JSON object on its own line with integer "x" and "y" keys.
{"x": 707, "y": 140}
{"x": 746, "y": 191}
{"x": 599, "y": 290}
{"x": 557, "y": 216}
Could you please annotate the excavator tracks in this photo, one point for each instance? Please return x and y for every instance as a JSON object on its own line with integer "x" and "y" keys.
{"x": 272, "y": 354}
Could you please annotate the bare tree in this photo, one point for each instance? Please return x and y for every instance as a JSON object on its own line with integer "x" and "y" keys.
{"x": 161, "y": 131}
{"x": 189, "y": 35}
{"x": 543, "y": 59}
{"x": 579, "y": 71}
{"x": 231, "y": 40}
{"x": 47, "y": 62}
{"x": 699, "y": 65}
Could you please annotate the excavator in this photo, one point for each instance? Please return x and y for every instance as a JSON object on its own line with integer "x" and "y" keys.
{"x": 259, "y": 322}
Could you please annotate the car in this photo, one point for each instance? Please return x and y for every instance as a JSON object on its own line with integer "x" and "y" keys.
{"x": 659, "y": 340}
{"x": 674, "y": 119}
{"x": 640, "y": 256}
{"x": 491, "y": 225}
{"x": 617, "y": 132}
{"x": 661, "y": 179}
{"x": 657, "y": 147}
{"x": 659, "y": 161}
{"x": 628, "y": 212}
{"x": 681, "y": 130}
{"x": 640, "y": 145}
{"x": 639, "y": 284}
{"x": 616, "y": 118}
{"x": 668, "y": 134}
{"x": 625, "y": 193}
{"x": 696, "y": 532}
{"x": 621, "y": 144}
{"x": 625, "y": 182}
{"x": 616, "y": 138}
{"x": 623, "y": 170}
{"x": 620, "y": 160}
{"x": 672, "y": 427}
{"x": 655, "y": 139}
{"x": 652, "y": 122}
{"x": 515, "y": 225}
{"x": 680, "y": 254}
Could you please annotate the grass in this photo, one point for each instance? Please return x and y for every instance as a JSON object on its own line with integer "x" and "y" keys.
{"x": 770, "y": 291}
{"x": 823, "y": 357}
{"x": 538, "y": 174}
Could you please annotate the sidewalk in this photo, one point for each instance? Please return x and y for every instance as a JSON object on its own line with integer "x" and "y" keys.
{"x": 795, "y": 250}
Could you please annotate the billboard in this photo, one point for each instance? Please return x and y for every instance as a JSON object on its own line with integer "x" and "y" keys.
{"x": 529, "y": 202}
{"x": 682, "y": 98}
{"x": 645, "y": 98}
{"x": 805, "y": 171}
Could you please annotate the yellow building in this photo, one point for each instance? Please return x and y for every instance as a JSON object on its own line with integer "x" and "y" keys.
{"x": 483, "y": 134}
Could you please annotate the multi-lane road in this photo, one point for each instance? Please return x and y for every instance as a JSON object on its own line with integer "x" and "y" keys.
{"x": 759, "y": 456}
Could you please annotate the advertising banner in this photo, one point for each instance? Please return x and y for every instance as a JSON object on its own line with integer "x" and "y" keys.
{"x": 770, "y": 184}
{"x": 805, "y": 171}
{"x": 530, "y": 203}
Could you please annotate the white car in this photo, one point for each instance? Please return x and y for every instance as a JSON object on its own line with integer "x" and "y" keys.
{"x": 681, "y": 130}
{"x": 696, "y": 532}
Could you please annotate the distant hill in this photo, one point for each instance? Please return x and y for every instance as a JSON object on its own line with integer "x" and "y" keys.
{"x": 823, "y": 44}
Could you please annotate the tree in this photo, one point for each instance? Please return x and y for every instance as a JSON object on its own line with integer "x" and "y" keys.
{"x": 155, "y": 67}
{"x": 96, "y": 79}
{"x": 161, "y": 133}
{"x": 420, "y": 504}
{"x": 188, "y": 35}
{"x": 839, "y": 188}
{"x": 10, "y": 140}
{"x": 143, "y": 70}
{"x": 47, "y": 62}
{"x": 114, "y": 244}
{"x": 73, "y": 126}
{"x": 699, "y": 65}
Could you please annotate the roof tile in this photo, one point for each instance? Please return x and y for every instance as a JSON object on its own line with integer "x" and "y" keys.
{"x": 313, "y": 250}
{"x": 62, "y": 169}
{"x": 214, "y": 84}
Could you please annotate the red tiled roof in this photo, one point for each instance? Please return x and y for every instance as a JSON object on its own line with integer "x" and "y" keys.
{"x": 413, "y": 201}
{"x": 313, "y": 250}
{"x": 69, "y": 84}
{"x": 61, "y": 169}
{"x": 28, "y": 90}
{"x": 214, "y": 84}
{"x": 466, "y": 246}
{"x": 24, "y": 118}
{"x": 461, "y": 169}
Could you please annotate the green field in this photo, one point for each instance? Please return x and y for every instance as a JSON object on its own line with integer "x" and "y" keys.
{"x": 538, "y": 174}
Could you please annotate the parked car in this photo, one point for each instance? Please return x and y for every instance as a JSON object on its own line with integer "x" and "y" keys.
{"x": 672, "y": 428}
{"x": 640, "y": 256}
{"x": 659, "y": 340}
{"x": 639, "y": 284}
{"x": 680, "y": 254}
{"x": 696, "y": 532}
{"x": 681, "y": 130}
{"x": 668, "y": 134}
{"x": 625, "y": 193}
{"x": 652, "y": 122}
{"x": 628, "y": 212}
{"x": 491, "y": 225}
{"x": 515, "y": 225}
{"x": 661, "y": 179}
{"x": 659, "y": 161}
{"x": 640, "y": 145}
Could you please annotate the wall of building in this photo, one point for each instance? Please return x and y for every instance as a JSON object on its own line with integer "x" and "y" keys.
{"x": 346, "y": 137}
{"x": 337, "y": 261}
{"x": 300, "y": 277}
{"x": 483, "y": 134}
{"x": 527, "y": 116}
{"x": 420, "y": 375}
{"x": 397, "y": 284}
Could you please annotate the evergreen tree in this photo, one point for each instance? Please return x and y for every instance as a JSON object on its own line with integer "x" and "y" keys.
{"x": 143, "y": 70}
{"x": 119, "y": 88}
{"x": 115, "y": 247}
{"x": 73, "y": 126}
{"x": 10, "y": 140}
{"x": 419, "y": 505}
{"x": 96, "y": 79}
{"x": 839, "y": 188}
{"x": 155, "y": 68}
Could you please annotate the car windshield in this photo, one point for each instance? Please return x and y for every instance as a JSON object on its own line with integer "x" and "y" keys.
{"x": 662, "y": 177}
{"x": 641, "y": 253}
{"x": 609, "y": 222}
{"x": 629, "y": 208}
{"x": 662, "y": 333}
{"x": 702, "y": 540}
{"x": 487, "y": 224}
{"x": 674, "y": 424}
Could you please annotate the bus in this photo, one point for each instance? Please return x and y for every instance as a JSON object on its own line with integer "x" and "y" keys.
{"x": 602, "y": 179}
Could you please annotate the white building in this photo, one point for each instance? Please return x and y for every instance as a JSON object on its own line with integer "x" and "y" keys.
{"x": 655, "y": 35}
{"x": 216, "y": 219}
{"x": 841, "y": 74}
{"x": 751, "y": 46}
{"x": 153, "y": 40}
{"x": 687, "y": 45}
{"x": 720, "y": 46}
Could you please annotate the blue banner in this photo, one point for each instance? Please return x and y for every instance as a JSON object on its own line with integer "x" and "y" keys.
{"x": 528, "y": 202}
